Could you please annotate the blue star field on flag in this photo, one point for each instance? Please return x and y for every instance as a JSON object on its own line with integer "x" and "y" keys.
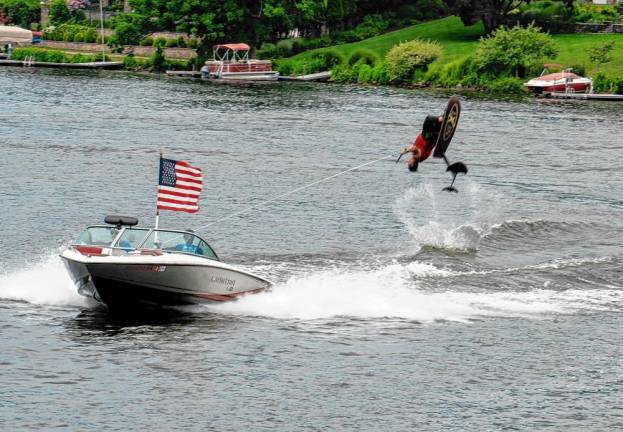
{"x": 167, "y": 173}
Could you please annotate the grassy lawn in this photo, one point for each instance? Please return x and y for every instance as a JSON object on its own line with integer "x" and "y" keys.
{"x": 573, "y": 51}
{"x": 459, "y": 42}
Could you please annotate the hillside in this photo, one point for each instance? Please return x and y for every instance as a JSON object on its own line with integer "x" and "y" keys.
{"x": 459, "y": 41}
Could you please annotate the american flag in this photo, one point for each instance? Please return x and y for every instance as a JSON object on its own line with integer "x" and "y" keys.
{"x": 179, "y": 186}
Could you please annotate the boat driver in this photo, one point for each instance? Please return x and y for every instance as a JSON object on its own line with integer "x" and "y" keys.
{"x": 188, "y": 245}
{"x": 424, "y": 143}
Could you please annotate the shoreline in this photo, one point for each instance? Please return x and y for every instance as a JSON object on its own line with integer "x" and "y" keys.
{"x": 194, "y": 76}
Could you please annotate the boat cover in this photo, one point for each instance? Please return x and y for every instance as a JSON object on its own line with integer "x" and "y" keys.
{"x": 12, "y": 34}
{"x": 234, "y": 47}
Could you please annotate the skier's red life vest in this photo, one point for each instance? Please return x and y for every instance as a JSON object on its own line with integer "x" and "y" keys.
{"x": 422, "y": 145}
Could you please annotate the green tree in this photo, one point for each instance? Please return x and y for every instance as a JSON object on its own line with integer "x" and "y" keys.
{"x": 492, "y": 12}
{"x": 158, "y": 61}
{"x": 128, "y": 28}
{"x": 59, "y": 12}
{"x": 601, "y": 53}
{"x": 20, "y": 12}
{"x": 515, "y": 50}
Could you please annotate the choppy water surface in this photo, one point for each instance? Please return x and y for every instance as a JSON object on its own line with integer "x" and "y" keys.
{"x": 396, "y": 306}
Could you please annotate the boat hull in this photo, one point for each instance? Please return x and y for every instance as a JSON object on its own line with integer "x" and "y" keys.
{"x": 559, "y": 82}
{"x": 154, "y": 284}
{"x": 575, "y": 87}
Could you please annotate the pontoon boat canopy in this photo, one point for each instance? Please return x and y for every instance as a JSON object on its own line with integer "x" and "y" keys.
{"x": 233, "y": 47}
{"x": 11, "y": 34}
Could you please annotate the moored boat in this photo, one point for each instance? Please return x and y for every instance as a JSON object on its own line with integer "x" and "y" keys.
{"x": 232, "y": 62}
{"x": 124, "y": 267}
{"x": 563, "y": 81}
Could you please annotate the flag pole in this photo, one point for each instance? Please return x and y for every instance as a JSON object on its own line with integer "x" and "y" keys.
{"x": 157, "y": 210}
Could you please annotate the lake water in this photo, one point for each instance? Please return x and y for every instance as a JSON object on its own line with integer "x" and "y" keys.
{"x": 396, "y": 306}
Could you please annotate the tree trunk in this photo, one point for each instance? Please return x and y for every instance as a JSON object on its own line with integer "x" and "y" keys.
{"x": 491, "y": 21}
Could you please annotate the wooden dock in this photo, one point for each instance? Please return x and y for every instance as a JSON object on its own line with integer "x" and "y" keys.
{"x": 91, "y": 65}
{"x": 184, "y": 74}
{"x": 584, "y": 96}
{"x": 320, "y": 76}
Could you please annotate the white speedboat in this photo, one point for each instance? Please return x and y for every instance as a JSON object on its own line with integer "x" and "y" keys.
{"x": 124, "y": 266}
{"x": 564, "y": 81}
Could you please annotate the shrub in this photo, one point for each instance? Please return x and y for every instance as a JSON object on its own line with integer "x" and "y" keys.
{"x": 147, "y": 41}
{"x": 364, "y": 72}
{"x": 514, "y": 51}
{"x": 304, "y": 66}
{"x": 360, "y": 73}
{"x": 181, "y": 42}
{"x": 327, "y": 59}
{"x": 363, "y": 55}
{"x": 284, "y": 48}
{"x": 403, "y": 59}
{"x": 601, "y": 53}
{"x": 170, "y": 43}
{"x": 316, "y": 43}
{"x": 176, "y": 65}
{"x": 372, "y": 25}
{"x": 544, "y": 14}
{"x": 70, "y": 33}
{"x": 90, "y": 36}
{"x": 126, "y": 33}
{"x": 298, "y": 46}
{"x": 452, "y": 74}
{"x": 343, "y": 74}
{"x": 578, "y": 69}
{"x": 192, "y": 42}
{"x": 160, "y": 42}
{"x": 607, "y": 84}
{"x": 508, "y": 85}
{"x": 267, "y": 51}
{"x": 59, "y": 12}
{"x": 132, "y": 63}
{"x": 595, "y": 13}
{"x": 157, "y": 60}
{"x": 79, "y": 58}
{"x": 52, "y": 56}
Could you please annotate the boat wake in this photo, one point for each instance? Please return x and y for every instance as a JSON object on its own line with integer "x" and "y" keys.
{"x": 44, "y": 282}
{"x": 470, "y": 220}
{"x": 377, "y": 292}
{"x": 398, "y": 291}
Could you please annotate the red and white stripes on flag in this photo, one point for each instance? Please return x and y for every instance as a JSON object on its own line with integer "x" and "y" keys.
{"x": 179, "y": 186}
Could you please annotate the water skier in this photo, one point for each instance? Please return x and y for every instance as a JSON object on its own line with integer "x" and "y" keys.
{"x": 423, "y": 145}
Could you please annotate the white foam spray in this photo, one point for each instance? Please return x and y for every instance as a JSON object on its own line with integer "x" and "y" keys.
{"x": 394, "y": 291}
{"x": 44, "y": 282}
{"x": 439, "y": 219}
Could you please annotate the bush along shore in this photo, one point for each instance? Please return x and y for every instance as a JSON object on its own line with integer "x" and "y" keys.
{"x": 446, "y": 54}
{"x": 155, "y": 63}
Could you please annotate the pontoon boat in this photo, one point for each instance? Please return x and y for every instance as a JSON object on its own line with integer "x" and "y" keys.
{"x": 231, "y": 62}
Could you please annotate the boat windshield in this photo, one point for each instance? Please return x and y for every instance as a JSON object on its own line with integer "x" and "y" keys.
{"x": 97, "y": 236}
{"x": 131, "y": 238}
{"x": 180, "y": 242}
